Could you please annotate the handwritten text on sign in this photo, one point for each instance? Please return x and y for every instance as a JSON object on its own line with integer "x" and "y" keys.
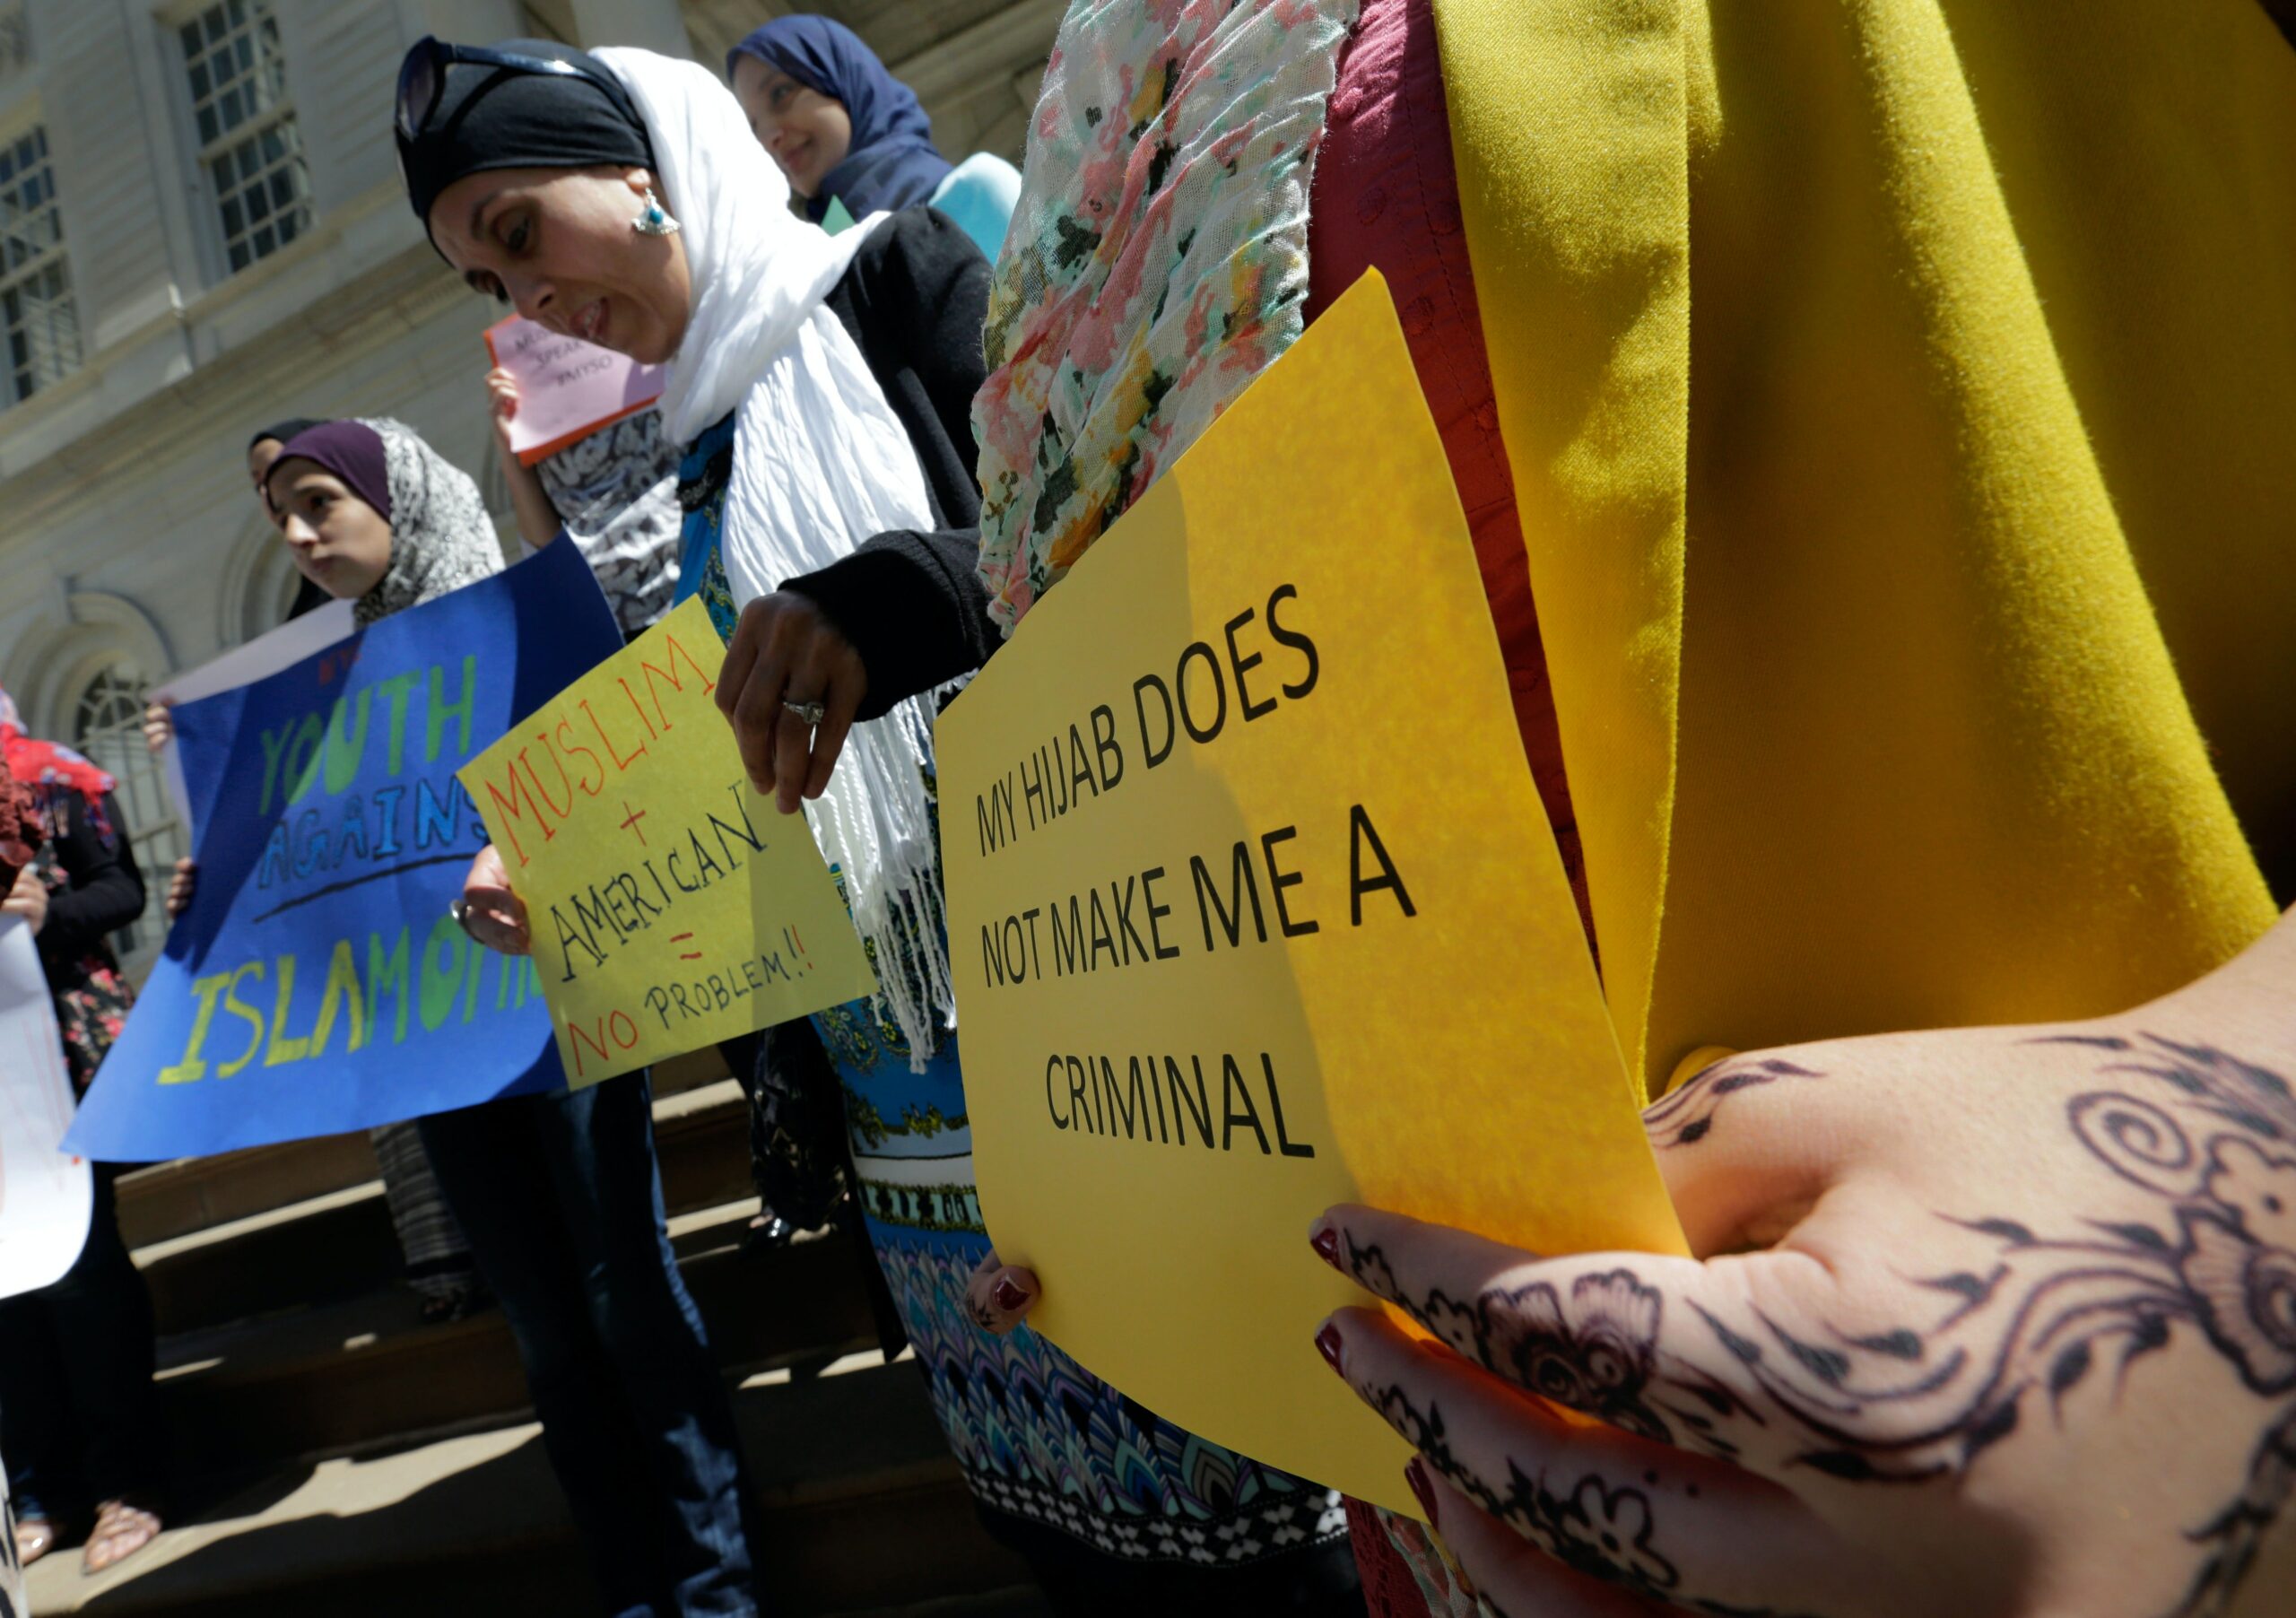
{"x": 566, "y": 388}
{"x": 316, "y": 983}
{"x": 669, "y": 906}
{"x": 1255, "y": 909}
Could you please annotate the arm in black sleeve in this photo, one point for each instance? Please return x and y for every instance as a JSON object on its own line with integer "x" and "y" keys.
{"x": 913, "y": 606}
{"x": 105, "y": 889}
{"x": 951, "y": 310}
{"x": 913, "y": 603}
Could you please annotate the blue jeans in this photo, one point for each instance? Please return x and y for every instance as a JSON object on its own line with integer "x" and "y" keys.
{"x": 562, "y": 1203}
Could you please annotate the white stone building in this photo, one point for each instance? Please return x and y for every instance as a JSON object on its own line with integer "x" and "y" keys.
{"x": 202, "y": 230}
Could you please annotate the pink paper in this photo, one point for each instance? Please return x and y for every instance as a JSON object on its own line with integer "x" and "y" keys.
{"x": 566, "y": 388}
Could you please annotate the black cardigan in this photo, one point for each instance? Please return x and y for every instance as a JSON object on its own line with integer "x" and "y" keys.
{"x": 915, "y": 299}
{"x": 104, "y": 891}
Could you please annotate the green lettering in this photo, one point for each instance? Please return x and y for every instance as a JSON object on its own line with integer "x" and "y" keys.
{"x": 274, "y": 746}
{"x": 303, "y": 775}
{"x": 441, "y": 982}
{"x": 247, "y": 1013}
{"x": 192, "y": 1065}
{"x": 439, "y": 710}
{"x": 341, "y": 985}
{"x": 394, "y": 691}
{"x": 281, "y": 1048}
{"x": 385, "y": 974}
{"x": 343, "y": 756}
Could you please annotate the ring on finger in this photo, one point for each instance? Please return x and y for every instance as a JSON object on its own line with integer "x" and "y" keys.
{"x": 812, "y": 713}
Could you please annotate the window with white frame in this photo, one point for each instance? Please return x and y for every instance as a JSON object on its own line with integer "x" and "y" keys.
{"x": 248, "y": 148}
{"x": 108, "y": 725}
{"x": 38, "y": 325}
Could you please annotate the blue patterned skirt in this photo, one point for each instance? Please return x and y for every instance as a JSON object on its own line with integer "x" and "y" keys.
{"x": 1038, "y": 1435}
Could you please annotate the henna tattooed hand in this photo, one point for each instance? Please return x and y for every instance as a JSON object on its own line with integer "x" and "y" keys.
{"x": 1987, "y": 1322}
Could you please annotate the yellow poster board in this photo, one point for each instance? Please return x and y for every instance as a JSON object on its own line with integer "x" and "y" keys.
{"x": 670, "y": 905}
{"x": 1255, "y": 909}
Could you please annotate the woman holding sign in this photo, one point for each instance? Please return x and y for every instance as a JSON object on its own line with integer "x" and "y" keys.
{"x": 1859, "y": 652}
{"x": 560, "y": 1195}
{"x": 823, "y": 386}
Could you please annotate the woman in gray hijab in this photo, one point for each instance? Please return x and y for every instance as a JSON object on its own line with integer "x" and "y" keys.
{"x": 560, "y": 1194}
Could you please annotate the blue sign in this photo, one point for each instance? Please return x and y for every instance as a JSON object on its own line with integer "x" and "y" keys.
{"x": 316, "y": 983}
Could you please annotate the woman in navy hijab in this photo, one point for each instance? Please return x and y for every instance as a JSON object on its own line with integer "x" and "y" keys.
{"x": 847, "y": 132}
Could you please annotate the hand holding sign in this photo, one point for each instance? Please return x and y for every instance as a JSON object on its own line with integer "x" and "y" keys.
{"x": 665, "y": 906}
{"x": 316, "y": 982}
{"x": 1255, "y": 909}
{"x": 566, "y": 388}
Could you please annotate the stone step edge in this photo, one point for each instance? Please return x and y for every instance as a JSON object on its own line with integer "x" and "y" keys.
{"x": 156, "y": 1199}
{"x": 685, "y": 1113}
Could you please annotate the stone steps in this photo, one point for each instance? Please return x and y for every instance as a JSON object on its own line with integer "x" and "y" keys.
{"x": 338, "y": 1244}
{"x": 862, "y": 1513}
{"x": 165, "y": 1201}
{"x": 343, "y": 1377}
{"x": 336, "y": 1456}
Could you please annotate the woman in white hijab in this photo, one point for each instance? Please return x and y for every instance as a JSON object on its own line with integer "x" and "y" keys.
{"x": 824, "y": 389}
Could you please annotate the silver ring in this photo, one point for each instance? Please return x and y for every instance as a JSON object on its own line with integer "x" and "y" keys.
{"x": 810, "y": 712}
{"x": 459, "y": 909}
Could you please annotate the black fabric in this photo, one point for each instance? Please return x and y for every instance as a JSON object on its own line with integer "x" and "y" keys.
{"x": 80, "y": 1418}
{"x": 309, "y": 598}
{"x": 499, "y": 118}
{"x": 1319, "y": 1581}
{"x": 912, "y": 604}
{"x": 282, "y": 431}
{"x": 105, "y": 890}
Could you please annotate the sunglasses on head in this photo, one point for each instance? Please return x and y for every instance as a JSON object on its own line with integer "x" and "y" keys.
{"x": 422, "y": 77}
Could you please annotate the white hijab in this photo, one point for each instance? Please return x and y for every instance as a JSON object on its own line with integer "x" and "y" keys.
{"x": 821, "y": 463}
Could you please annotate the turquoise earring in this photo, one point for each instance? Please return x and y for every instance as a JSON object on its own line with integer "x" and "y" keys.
{"x": 653, "y": 219}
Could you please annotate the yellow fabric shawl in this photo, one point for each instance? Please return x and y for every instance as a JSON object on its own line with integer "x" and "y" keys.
{"x": 1894, "y": 389}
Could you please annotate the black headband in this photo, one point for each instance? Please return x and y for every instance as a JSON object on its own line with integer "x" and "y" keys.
{"x": 499, "y": 118}
{"x": 283, "y": 431}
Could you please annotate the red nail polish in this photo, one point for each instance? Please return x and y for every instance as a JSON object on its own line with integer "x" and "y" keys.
{"x": 1325, "y": 1242}
{"x": 1327, "y": 1344}
{"x": 1008, "y": 1295}
{"x": 1423, "y": 1489}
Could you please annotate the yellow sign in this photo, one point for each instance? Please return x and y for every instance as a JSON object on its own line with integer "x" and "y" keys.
{"x": 670, "y": 905}
{"x": 1255, "y": 909}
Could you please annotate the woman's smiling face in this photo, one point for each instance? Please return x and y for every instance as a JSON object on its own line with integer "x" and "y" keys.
{"x": 558, "y": 246}
{"x": 804, "y": 131}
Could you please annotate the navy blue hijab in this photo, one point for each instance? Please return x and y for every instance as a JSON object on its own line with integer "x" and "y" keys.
{"x": 893, "y": 162}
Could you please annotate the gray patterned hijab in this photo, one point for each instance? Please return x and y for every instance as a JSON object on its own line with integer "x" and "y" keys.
{"x": 441, "y": 538}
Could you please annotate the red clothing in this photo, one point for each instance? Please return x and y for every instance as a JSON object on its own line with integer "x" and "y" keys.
{"x": 1386, "y": 193}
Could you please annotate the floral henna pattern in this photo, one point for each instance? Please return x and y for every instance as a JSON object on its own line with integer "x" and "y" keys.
{"x": 1686, "y": 1117}
{"x": 2212, "y": 1138}
{"x": 1594, "y": 1350}
{"x": 1588, "y": 1524}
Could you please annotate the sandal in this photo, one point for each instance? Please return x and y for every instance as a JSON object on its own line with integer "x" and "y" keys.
{"x": 121, "y": 1530}
{"x": 35, "y": 1538}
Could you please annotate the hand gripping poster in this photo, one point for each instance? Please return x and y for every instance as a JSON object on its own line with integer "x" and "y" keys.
{"x": 45, "y": 1193}
{"x": 669, "y": 906}
{"x": 318, "y": 982}
{"x": 1254, "y": 908}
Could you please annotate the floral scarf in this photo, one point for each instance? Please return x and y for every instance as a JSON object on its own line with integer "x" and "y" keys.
{"x": 1157, "y": 260}
{"x": 441, "y": 538}
{"x": 50, "y": 771}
